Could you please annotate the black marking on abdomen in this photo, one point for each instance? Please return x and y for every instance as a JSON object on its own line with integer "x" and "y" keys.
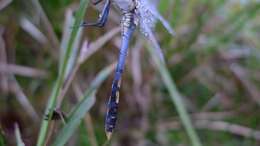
{"x": 112, "y": 106}
{"x": 128, "y": 27}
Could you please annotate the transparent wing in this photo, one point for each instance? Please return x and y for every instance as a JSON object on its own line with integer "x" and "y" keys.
{"x": 148, "y": 15}
{"x": 148, "y": 9}
{"x": 152, "y": 38}
{"x": 164, "y": 22}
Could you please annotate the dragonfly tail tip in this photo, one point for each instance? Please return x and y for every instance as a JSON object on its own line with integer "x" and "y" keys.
{"x": 109, "y": 135}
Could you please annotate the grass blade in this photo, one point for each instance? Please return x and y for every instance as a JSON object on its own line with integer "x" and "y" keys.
{"x": 81, "y": 108}
{"x": 68, "y": 22}
{"x": 60, "y": 80}
{"x": 175, "y": 97}
{"x": 46, "y": 24}
{"x": 19, "y": 141}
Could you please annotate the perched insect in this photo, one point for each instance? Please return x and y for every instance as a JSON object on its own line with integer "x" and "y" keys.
{"x": 134, "y": 12}
{"x": 57, "y": 115}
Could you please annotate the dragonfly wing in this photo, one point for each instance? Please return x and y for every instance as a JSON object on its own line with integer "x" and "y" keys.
{"x": 147, "y": 22}
{"x": 152, "y": 38}
{"x": 151, "y": 7}
{"x": 164, "y": 22}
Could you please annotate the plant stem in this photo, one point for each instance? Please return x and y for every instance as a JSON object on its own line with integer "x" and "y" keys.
{"x": 176, "y": 98}
{"x": 60, "y": 80}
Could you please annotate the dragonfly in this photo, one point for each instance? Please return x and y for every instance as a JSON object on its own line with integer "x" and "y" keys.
{"x": 142, "y": 13}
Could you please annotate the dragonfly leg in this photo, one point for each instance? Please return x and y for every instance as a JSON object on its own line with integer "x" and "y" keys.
{"x": 96, "y": 2}
{"x": 111, "y": 116}
{"x": 102, "y": 18}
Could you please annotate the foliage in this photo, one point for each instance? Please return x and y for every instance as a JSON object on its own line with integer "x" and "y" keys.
{"x": 213, "y": 59}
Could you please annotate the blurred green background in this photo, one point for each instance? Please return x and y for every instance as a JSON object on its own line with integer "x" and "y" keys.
{"x": 214, "y": 60}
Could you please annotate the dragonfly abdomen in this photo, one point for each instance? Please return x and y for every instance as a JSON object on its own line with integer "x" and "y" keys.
{"x": 128, "y": 27}
{"x": 112, "y": 107}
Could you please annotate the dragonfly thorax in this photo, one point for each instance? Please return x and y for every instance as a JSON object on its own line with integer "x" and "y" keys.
{"x": 124, "y": 5}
